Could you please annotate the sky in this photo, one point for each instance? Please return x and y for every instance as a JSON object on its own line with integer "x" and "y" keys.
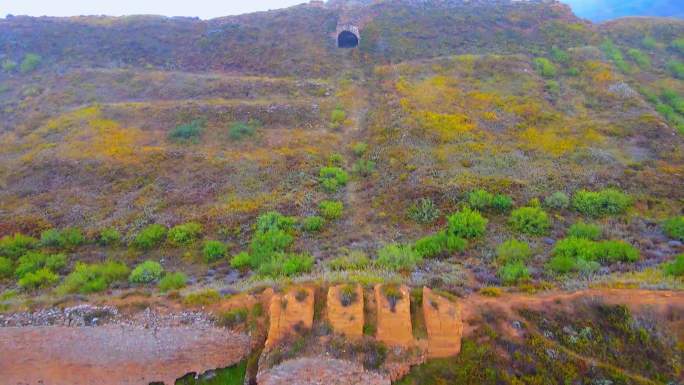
{"x": 596, "y": 10}
{"x": 205, "y": 9}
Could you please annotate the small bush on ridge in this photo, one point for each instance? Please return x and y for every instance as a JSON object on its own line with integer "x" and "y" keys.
{"x": 467, "y": 223}
{"x": 313, "y": 223}
{"x": 214, "y": 250}
{"x": 397, "y": 257}
{"x": 333, "y": 178}
{"x": 424, "y": 211}
{"x": 93, "y": 278}
{"x": 558, "y": 200}
{"x": 109, "y": 236}
{"x": 676, "y": 267}
{"x": 331, "y": 210}
{"x": 38, "y": 279}
{"x": 601, "y": 203}
{"x": 150, "y": 236}
{"x": 184, "y": 234}
{"x": 14, "y": 246}
{"x": 513, "y": 272}
{"x": 585, "y": 230}
{"x": 146, "y": 272}
{"x": 513, "y": 250}
{"x": 6, "y": 268}
{"x": 172, "y": 281}
{"x": 530, "y": 220}
{"x": 674, "y": 228}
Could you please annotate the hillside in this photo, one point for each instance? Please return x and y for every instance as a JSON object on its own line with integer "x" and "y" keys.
{"x": 466, "y": 146}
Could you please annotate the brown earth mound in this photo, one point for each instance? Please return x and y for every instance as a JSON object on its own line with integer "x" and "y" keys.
{"x": 394, "y": 325}
{"x": 320, "y": 371}
{"x": 114, "y": 355}
{"x": 444, "y": 325}
{"x": 347, "y": 320}
{"x": 289, "y": 312}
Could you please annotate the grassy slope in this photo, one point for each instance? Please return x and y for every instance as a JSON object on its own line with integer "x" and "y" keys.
{"x": 86, "y": 145}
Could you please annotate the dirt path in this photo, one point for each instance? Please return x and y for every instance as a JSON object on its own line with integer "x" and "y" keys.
{"x": 114, "y": 355}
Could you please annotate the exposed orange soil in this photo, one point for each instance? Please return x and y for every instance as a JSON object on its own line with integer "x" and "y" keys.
{"x": 667, "y": 304}
{"x": 346, "y": 320}
{"x": 444, "y": 325}
{"x": 114, "y": 355}
{"x": 394, "y": 327}
{"x": 287, "y": 313}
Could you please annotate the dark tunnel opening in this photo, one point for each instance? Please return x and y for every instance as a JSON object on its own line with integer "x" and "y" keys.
{"x": 347, "y": 39}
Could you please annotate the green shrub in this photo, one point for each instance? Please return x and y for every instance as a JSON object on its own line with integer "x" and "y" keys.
{"x": 232, "y": 318}
{"x": 202, "y": 298}
{"x": 530, "y": 220}
{"x": 333, "y": 178}
{"x": 360, "y": 148}
{"x": 558, "y": 200}
{"x": 513, "y": 272}
{"x": 337, "y": 117}
{"x": 184, "y": 234}
{"x": 559, "y": 56}
{"x": 189, "y": 132}
{"x": 502, "y": 203}
{"x": 335, "y": 159}
{"x": 676, "y": 68}
{"x": 30, "y": 63}
{"x": 282, "y": 264}
{"x": 93, "y": 278}
{"x": 649, "y": 42}
{"x": 576, "y": 248}
{"x": 14, "y": 246}
{"x": 109, "y": 236}
{"x": 241, "y": 261}
{"x": 363, "y": 167}
{"x": 397, "y": 257}
{"x": 616, "y": 251}
{"x": 513, "y": 251}
{"x": 352, "y": 260}
{"x": 480, "y": 199}
{"x": 146, "y": 272}
{"x": 676, "y": 267}
{"x": 263, "y": 245}
{"x": 241, "y": 130}
{"x": 172, "y": 281}
{"x": 424, "y": 211}
{"x": 545, "y": 67}
{"x": 674, "y": 228}
{"x": 150, "y": 236}
{"x": 562, "y": 264}
{"x": 33, "y": 261}
{"x": 68, "y": 238}
{"x": 440, "y": 243}
{"x": 214, "y": 250}
{"x": 38, "y": 279}
{"x": 56, "y": 262}
{"x": 467, "y": 223}
{"x": 6, "y": 268}
{"x": 331, "y": 210}
{"x": 313, "y": 223}
{"x": 585, "y": 230}
{"x": 274, "y": 221}
{"x": 9, "y": 65}
{"x": 642, "y": 60}
{"x": 615, "y": 55}
{"x": 581, "y": 254}
{"x": 601, "y": 203}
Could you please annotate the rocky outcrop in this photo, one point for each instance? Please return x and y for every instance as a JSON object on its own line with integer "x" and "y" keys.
{"x": 290, "y": 312}
{"x": 394, "y": 322}
{"x": 114, "y": 355}
{"x": 320, "y": 371}
{"x": 444, "y": 325}
{"x": 347, "y": 320}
